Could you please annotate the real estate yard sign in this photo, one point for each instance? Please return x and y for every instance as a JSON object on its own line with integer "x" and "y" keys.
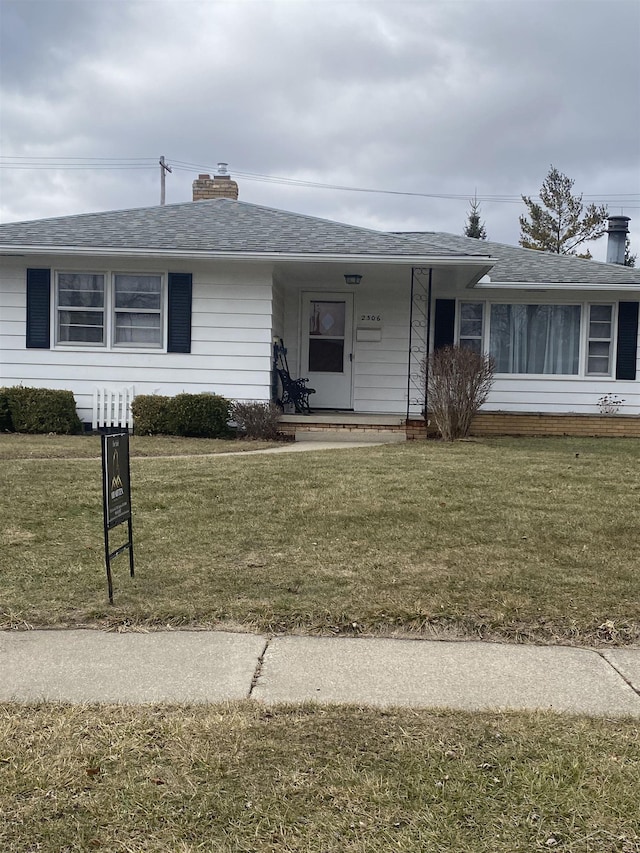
{"x": 116, "y": 490}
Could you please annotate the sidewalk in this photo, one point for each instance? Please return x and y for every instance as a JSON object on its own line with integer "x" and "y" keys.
{"x": 208, "y": 666}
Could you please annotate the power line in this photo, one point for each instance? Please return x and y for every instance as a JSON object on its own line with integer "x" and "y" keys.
{"x": 628, "y": 200}
{"x": 502, "y": 198}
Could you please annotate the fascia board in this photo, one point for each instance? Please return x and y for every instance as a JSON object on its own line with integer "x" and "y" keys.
{"x": 557, "y": 285}
{"x": 413, "y": 260}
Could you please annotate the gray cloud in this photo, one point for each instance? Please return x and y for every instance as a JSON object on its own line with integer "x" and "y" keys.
{"x": 443, "y": 97}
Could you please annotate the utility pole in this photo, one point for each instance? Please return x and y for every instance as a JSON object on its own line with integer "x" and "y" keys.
{"x": 163, "y": 171}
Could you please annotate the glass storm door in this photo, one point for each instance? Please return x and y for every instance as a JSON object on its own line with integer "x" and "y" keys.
{"x": 327, "y": 348}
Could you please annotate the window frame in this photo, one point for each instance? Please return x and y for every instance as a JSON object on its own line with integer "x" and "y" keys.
{"x": 611, "y": 340}
{"x": 109, "y": 311}
{"x": 161, "y": 312}
{"x": 58, "y": 308}
{"x": 585, "y": 339}
{"x": 481, "y": 337}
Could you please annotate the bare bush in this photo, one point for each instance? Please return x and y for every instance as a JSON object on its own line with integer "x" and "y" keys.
{"x": 458, "y": 381}
{"x": 257, "y": 420}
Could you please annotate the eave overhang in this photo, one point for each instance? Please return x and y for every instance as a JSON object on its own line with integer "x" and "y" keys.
{"x": 252, "y": 257}
{"x": 558, "y": 285}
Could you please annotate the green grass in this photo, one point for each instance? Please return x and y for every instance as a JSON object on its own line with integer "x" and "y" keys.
{"x": 244, "y": 778}
{"x": 513, "y": 539}
{"x": 22, "y": 446}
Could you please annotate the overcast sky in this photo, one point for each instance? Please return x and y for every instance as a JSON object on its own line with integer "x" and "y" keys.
{"x": 434, "y": 97}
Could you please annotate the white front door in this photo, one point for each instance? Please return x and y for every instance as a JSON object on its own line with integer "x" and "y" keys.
{"x": 327, "y": 348}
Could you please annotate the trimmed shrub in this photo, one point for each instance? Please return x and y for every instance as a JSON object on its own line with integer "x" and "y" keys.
{"x": 6, "y": 424}
{"x": 458, "y": 382}
{"x": 200, "y": 415}
{"x": 151, "y": 415}
{"x": 257, "y": 420}
{"x": 43, "y": 410}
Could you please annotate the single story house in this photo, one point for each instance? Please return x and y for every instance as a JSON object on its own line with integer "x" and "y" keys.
{"x": 190, "y": 297}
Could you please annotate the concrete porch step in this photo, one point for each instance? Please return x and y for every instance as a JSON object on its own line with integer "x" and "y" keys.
{"x": 375, "y": 436}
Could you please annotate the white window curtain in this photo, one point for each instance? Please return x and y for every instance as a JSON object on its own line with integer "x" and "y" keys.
{"x": 542, "y": 339}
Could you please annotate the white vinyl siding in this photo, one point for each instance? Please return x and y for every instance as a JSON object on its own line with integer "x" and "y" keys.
{"x": 234, "y": 318}
{"x": 230, "y": 350}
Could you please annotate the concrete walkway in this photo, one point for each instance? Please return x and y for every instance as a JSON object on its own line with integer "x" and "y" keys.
{"x": 210, "y": 666}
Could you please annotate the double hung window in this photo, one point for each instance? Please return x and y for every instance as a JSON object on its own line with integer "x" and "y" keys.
{"x": 471, "y": 325}
{"x": 98, "y": 309}
{"x": 599, "y": 340}
{"x": 137, "y": 310}
{"x": 81, "y": 302}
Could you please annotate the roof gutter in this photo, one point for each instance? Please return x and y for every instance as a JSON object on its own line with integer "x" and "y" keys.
{"x": 559, "y": 285}
{"x": 413, "y": 260}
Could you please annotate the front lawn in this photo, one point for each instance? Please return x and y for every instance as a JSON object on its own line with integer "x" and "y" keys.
{"x": 17, "y": 446}
{"x": 246, "y": 778}
{"x": 518, "y": 539}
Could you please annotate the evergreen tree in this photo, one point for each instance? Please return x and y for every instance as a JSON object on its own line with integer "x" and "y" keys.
{"x": 561, "y": 222}
{"x": 475, "y": 228}
{"x": 629, "y": 259}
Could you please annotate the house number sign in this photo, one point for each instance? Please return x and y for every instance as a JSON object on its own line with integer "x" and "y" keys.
{"x": 371, "y": 318}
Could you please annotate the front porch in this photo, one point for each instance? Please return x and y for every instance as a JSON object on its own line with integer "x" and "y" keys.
{"x": 337, "y": 425}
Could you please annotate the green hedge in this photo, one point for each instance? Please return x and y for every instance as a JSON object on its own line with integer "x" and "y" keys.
{"x": 198, "y": 415}
{"x": 6, "y": 423}
{"x": 151, "y": 415}
{"x": 38, "y": 410}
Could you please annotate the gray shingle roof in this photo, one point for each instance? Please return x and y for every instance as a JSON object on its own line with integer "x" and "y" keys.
{"x": 516, "y": 264}
{"x": 224, "y": 225}
{"x": 214, "y": 225}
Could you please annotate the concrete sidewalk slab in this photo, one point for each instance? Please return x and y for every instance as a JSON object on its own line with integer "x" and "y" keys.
{"x": 627, "y": 662}
{"x": 465, "y": 675}
{"x": 93, "y": 666}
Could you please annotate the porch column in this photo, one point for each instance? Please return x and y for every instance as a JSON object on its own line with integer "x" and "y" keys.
{"x": 419, "y": 338}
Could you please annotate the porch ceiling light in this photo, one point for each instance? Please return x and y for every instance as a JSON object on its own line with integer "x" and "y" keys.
{"x": 352, "y": 278}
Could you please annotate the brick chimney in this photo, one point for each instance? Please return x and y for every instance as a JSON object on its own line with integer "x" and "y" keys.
{"x": 220, "y": 186}
{"x": 617, "y": 231}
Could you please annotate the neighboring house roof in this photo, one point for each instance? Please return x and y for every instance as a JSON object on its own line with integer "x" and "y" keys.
{"x": 218, "y": 225}
{"x": 517, "y": 265}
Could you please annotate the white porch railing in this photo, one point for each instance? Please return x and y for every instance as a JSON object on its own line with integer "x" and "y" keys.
{"x": 112, "y": 407}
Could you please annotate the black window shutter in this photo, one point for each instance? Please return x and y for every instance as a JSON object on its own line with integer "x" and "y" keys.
{"x": 444, "y": 324}
{"x": 38, "y": 308}
{"x": 627, "y": 340}
{"x": 179, "y": 311}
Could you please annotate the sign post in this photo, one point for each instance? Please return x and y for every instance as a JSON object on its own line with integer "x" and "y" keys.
{"x": 116, "y": 491}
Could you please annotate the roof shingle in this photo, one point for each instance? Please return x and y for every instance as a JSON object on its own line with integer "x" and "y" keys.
{"x": 224, "y": 225}
{"x": 217, "y": 225}
{"x": 519, "y": 265}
